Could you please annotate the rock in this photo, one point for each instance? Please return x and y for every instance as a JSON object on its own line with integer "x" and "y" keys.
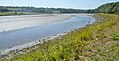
{"x": 4, "y": 56}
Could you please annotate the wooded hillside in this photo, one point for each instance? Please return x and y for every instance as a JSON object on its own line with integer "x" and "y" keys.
{"x": 110, "y": 8}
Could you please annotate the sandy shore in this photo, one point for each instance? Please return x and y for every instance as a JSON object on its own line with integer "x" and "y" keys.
{"x": 8, "y": 23}
{"x": 45, "y": 20}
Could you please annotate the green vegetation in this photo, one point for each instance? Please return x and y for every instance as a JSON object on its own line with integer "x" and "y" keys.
{"x": 116, "y": 36}
{"x": 110, "y": 8}
{"x": 96, "y": 42}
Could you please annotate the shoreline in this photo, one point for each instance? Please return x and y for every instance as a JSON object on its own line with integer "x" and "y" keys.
{"x": 30, "y": 44}
{"x": 10, "y": 52}
{"x": 17, "y": 49}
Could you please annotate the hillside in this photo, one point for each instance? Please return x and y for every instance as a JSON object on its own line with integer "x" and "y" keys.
{"x": 110, "y": 8}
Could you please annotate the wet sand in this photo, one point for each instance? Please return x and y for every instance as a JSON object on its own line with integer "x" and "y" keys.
{"x": 8, "y": 23}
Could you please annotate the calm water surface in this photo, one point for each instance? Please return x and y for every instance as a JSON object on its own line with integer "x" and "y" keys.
{"x": 22, "y": 36}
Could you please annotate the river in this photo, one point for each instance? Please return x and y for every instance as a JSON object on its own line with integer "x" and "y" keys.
{"x": 22, "y": 36}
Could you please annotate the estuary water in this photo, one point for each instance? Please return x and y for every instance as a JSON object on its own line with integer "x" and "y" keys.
{"x": 22, "y": 36}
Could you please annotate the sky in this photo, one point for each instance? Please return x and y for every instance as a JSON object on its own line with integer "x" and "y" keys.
{"x": 76, "y": 4}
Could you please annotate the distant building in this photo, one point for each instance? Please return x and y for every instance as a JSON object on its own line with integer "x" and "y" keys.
{"x": 56, "y": 12}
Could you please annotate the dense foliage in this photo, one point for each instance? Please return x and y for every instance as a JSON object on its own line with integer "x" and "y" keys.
{"x": 110, "y": 8}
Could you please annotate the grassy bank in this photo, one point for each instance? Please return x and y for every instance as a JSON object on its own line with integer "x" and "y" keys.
{"x": 99, "y": 41}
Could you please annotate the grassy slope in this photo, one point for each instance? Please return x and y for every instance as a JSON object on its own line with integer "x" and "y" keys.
{"x": 99, "y": 41}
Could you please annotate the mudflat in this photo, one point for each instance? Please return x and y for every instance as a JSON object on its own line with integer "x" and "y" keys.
{"x": 8, "y": 23}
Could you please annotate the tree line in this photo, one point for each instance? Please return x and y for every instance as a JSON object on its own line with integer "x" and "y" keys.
{"x": 43, "y": 10}
{"x": 4, "y": 10}
{"x": 110, "y": 8}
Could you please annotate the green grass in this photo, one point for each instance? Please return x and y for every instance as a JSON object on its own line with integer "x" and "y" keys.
{"x": 116, "y": 36}
{"x": 95, "y": 42}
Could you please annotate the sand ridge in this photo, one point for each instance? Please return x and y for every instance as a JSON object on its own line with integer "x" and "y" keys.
{"x": 8, "y": 23}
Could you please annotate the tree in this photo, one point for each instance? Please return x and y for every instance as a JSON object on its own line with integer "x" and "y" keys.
{"x": 110, "y": 8}
{"x": 4, "y": 10}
